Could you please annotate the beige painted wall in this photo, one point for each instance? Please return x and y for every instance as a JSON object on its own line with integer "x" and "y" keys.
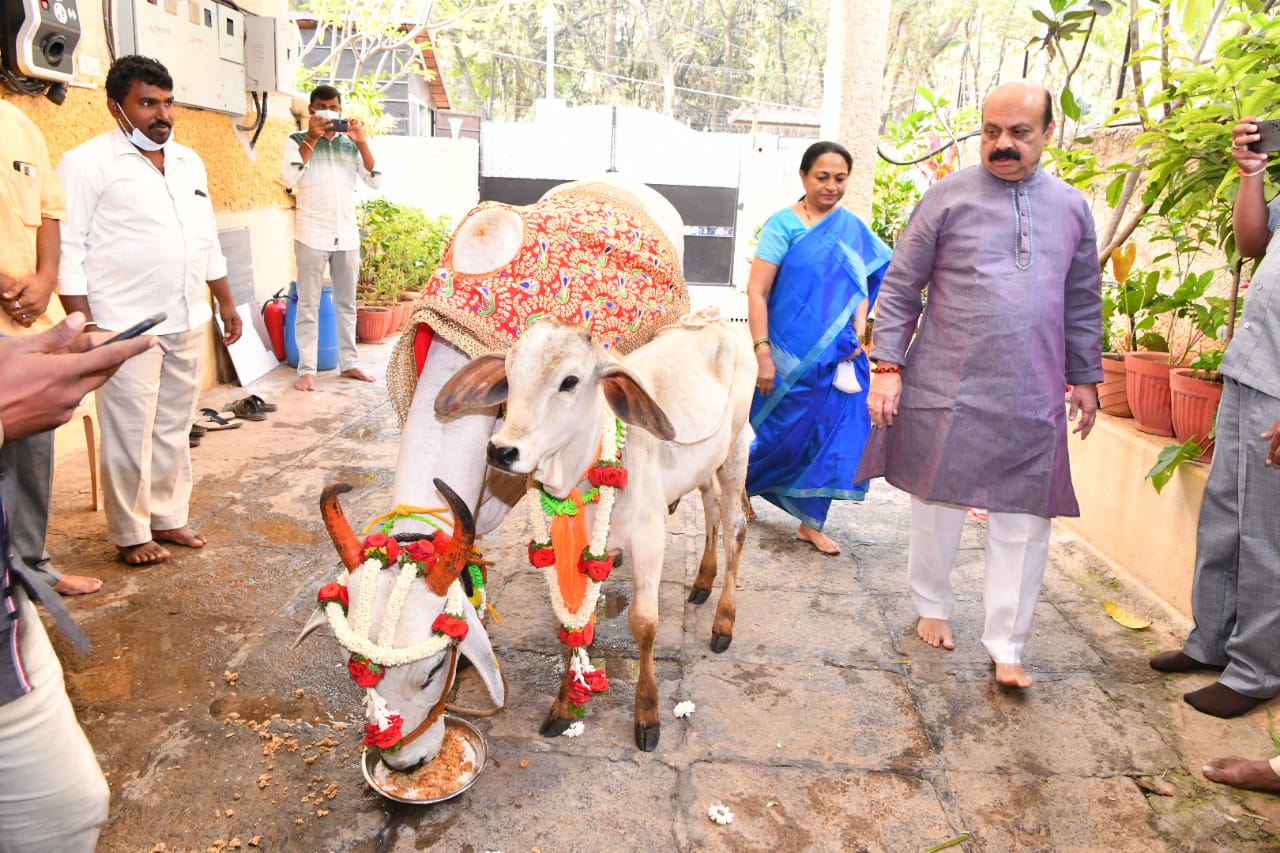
{"x": 1149, "y": 536}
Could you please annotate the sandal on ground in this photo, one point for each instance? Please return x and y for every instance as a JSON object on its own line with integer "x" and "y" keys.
{"x": 245, "y": 409}
{"x": 211, "y": 420}
{"x": 263, "y": 405}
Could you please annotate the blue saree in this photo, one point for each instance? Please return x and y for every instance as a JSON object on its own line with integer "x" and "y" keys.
{"x": 809, "y": 434}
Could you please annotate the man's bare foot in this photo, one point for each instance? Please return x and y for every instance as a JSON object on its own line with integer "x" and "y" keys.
{"x": 357, "y": 373}
{"x": 1012, "y": 675}
{"x": 183, "y": 536}
{"x": 936, "y": 632}
{"x": 145, "y": 554}
{"x": 306, "y": 382}
{"x": 1254, "y": 774}
{"x": 77, "y": 585}
{"x": 818, "y": 539}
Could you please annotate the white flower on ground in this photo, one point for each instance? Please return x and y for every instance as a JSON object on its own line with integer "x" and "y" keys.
{"x": 575, "y": 729}
{"x": 720, "y": 814}
{"x": 684, "y": 709}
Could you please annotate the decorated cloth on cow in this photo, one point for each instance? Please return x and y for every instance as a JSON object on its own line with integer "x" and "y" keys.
{"x": 590, "y": 255}
{"x": 809, "y": 433}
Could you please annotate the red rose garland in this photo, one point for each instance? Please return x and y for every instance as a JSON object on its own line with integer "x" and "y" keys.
{"x": 385, "y": 738}
{"x": 336, "y": 593}
{"x": 363, "y": 671}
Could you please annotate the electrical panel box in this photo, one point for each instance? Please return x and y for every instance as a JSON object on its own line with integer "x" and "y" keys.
{"x": 38, "y": 38}
{"x": 271, "y": 54}
{"x": 201, "y": 42}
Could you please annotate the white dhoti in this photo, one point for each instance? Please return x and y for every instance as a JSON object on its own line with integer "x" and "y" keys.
{"x": 1017, "y": 551}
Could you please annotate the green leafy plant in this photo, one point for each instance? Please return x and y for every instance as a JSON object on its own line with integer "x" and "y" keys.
{"x": 400, "y": 248}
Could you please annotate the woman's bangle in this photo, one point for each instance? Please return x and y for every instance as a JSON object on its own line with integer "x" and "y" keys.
{"x": 88, "y": 323}
{"x": 1245, "y": 174}
{"x": 887, "y": 368}
{"x": 761, "y": 342}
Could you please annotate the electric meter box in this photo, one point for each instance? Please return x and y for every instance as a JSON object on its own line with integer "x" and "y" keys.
{"x": 201, "y": 42}
{"x": 271, "y": 54}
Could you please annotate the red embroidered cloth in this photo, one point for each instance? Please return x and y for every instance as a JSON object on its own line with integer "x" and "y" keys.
{"x": 602, "y": 265}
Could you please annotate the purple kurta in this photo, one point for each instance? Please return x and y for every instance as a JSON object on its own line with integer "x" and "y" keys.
{"x": 1014, "y": 314}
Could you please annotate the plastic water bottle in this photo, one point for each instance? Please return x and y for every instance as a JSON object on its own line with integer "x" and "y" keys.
{"x": 327, "y": 356}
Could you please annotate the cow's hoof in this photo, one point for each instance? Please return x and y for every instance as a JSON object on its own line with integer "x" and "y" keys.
{"x": 553, "y": 726}
{"x": 720, "y": 642}
{"x": 698, "y": 595}
{"x": 647, "y": 736}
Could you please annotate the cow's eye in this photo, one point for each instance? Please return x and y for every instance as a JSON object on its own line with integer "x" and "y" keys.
{"x": 569, "y": 383}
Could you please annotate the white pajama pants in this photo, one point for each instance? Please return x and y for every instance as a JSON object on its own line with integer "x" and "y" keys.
{"x": 144, "y": 412}
{"x": 1017, "y": 551}
{"x": 53, "y": 797}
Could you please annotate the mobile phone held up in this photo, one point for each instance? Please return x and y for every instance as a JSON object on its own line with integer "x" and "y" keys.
{"x": 138, "y": 328}
{"x": 1268, "y": 136}
{"x": 339, "y": 125}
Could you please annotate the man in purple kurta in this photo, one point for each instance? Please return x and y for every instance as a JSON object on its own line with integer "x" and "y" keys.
{"x": 975, "y": 402}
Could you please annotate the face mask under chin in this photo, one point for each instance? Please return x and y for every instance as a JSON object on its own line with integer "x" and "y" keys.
{"x": 139, "y": 139}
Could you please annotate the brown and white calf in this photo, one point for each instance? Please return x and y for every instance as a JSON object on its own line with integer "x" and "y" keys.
{"x": 689, "y": 392}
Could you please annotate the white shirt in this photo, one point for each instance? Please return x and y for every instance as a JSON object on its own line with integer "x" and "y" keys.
{"x": 137, "y": 240}
{"x": 325, "y": 189}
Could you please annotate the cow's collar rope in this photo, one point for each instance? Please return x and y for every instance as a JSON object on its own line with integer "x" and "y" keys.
{"x": 606, "y": 477}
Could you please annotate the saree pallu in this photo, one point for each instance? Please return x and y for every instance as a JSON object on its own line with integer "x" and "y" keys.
{"x": 809, "y": 435}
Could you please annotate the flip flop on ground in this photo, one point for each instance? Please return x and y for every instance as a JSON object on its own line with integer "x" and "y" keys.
{"x": 246, "y": 409}
{"x": 211, "y": 421}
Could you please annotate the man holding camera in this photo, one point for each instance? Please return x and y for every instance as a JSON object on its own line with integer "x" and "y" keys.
{"x": 321, "y": 165}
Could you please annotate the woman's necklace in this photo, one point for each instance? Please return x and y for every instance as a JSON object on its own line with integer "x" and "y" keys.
{"x": 808, "y": 217}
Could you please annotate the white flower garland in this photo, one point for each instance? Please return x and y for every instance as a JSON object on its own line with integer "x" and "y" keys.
{"x": 354, "y": 635}
{"x": 612, "y": 438}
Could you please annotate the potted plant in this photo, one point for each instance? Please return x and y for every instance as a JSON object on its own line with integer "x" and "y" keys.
{"x": 1113, "y": 398}
{"x": 400, "y": 247}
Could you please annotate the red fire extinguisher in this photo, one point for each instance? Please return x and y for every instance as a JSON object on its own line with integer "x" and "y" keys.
{"x": 273, "y": 312}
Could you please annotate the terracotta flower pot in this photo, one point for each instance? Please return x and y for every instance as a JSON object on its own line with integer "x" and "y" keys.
{"x": 403, "y": 310}
{"x": 1195, "y": 395}
{"x": 1112, "y": 395}
{"x": 372, "y": 323}
{"x": 1147, "y": 386}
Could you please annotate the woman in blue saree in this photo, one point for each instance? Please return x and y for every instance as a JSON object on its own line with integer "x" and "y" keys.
{"x": 814, "y": 277}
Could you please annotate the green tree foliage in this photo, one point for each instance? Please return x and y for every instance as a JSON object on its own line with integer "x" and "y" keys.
{"x": 695, "y": 60}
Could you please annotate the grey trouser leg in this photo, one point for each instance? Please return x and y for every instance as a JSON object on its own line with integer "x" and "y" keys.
{"x": 26, "y": 484}
{"x": 306, "y": 319}
{"x": 344, "y": 267}
{"x": 1235, "y": 597}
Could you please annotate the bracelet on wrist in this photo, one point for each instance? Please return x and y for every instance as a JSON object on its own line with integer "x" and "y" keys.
{"x": 887, "y": 368}
{"x": 761, "y": 342}
{"x": 1245, "y": 174}
{"x": 88, "y": 323}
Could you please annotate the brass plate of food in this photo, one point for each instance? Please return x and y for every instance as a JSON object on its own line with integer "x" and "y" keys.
{"x": 455, "y": 768}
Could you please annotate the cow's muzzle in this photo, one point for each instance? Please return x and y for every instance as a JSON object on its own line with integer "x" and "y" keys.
{"x": 502, "y": 456}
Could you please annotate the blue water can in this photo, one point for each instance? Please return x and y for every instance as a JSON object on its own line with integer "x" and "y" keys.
{"x": 327, "y": 356}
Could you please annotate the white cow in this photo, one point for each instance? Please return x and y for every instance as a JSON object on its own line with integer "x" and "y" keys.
{"x": 689, "y": 391}
{"x": 434, "y": 450}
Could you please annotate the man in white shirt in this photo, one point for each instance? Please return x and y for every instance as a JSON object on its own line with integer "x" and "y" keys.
{"x": 140, "y": 237}
{"x": 322, "y": 166}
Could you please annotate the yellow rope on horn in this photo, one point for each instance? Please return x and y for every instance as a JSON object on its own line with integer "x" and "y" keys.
{"x": 439, "y": 513}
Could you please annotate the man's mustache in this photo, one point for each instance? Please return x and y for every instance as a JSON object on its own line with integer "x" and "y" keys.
{"x": 156, "y": 124}
{"x": 1005, "y": 154}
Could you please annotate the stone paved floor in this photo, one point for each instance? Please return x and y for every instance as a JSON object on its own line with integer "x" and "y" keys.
{"x": 825, "y": 726}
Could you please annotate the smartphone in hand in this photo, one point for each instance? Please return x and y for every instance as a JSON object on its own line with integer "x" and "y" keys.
{"x": 1268, "y": 136}
{"x": 138, "y": 328}
{"x": 339, "y": 125}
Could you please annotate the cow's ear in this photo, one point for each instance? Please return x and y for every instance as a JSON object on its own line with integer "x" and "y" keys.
{"x": 480, "y": 384}
{"x": 632, "y": 403}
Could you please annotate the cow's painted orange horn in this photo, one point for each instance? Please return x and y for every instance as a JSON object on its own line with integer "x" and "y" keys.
{"x": 451, "y": 563}
{"x": 335, "y": 521}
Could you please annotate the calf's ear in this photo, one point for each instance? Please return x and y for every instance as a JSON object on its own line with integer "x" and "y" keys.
{"x": 480, "y": 384}
{"x": 632, "y": 403}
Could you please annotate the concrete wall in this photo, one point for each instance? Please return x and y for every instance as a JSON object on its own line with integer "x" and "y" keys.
{"x": 439, "y": 175}
{"x": 1149, "y": 536}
